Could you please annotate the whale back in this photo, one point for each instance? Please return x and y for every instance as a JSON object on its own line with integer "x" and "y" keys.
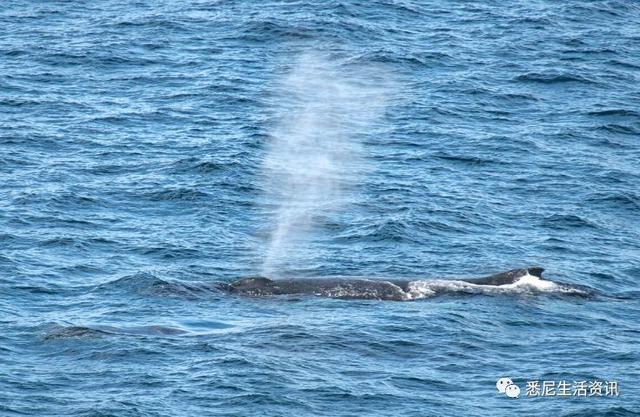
{"x": 356, "y": 287}
{"x": 334, "y": 287}
{"x": 252, "y": 285}
{"x": 509, "y": 277}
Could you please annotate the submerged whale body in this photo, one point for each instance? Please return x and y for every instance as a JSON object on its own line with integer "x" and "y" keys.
{"x": 387, "y": 289}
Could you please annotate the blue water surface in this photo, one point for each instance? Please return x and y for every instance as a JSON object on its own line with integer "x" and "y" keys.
{"x": 133, "y": 137}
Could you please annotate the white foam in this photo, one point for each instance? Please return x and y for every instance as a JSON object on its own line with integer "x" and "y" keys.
{"x": 531, "y": 281}
{"x": 419, "y": 289}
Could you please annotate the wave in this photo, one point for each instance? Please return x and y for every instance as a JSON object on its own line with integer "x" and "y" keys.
{"x": 550, "y": 78}
{"x": 616, "y": 200}
{"x": 145, "y": 283}
{"x": 180, "y": 194}
{"x": 617, "y": 128}
{"x": 611, "y": 411}
{"x": 464, "y": 159}
{"x": 68, "y": 332}
{"x": 567, "y": 221}
{"x": 196, "y": 165}
{"x": 392, "y": 230}
{"x": 95, "y": 331}
{"x": 267, "y": 31}
{"x": 615, "y": 112}
{"x": 417, "y": 60}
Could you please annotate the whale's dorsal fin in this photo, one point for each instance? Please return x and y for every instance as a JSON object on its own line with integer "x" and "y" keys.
{"x": 536, "y": 271}
{"x": 508, "y": 277}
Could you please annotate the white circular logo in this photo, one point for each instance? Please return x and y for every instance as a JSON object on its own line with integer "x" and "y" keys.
{"x": 507, "y": 387}
{"x": 512, "y": 391}
{"x": 503, "y": 383}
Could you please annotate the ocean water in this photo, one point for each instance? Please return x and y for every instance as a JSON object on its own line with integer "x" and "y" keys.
{"x": 150, "y": 149}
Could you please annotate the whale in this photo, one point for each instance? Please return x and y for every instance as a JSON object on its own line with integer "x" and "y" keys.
{"x": 383, "y": 288}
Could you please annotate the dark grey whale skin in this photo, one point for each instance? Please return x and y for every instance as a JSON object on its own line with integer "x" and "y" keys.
{"x": 354, "y": 288}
